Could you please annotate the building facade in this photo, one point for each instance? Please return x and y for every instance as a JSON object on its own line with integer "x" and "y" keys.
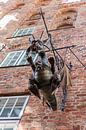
{"x": 66, "y": 21}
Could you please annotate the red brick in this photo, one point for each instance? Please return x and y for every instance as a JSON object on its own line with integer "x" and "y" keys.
{"x": 14, "y": 81}
{"x": 76, "y": 127}
{"x": 34, "y": 128}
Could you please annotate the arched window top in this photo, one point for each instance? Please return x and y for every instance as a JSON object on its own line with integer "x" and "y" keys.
{"x": 43, "y": 2}
{"x": 35, "y": 16}
{"x": 32, "y": 18}
{"x": 65, "y": 18}
{"x": 65, "y": 10}
{"x": 69, "y": 11}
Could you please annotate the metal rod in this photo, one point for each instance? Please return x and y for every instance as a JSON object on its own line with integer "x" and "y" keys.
{"x": 77, "y": 57}
{"x": 66, "y": 47}
{"x": 49, "y": 35}
{"x": 61, "y": 28}
{"x": 2, "y": 48}
{"x": 41, "y": 35}
{"x": 44, "y": 21}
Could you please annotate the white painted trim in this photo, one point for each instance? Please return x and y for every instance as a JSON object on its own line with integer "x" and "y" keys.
{"x": 8, "y": 124}
{"x": 30, "y": 29}
{"x": 17, "y": 60}
{"x": 6, "y": 19}
{"x": 20, "y": 60}
{"x": 21, "y": 112}
{"x": 4, "y": 1}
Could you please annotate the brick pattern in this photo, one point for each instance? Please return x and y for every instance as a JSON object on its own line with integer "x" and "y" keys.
{"x": 15, "y": 80}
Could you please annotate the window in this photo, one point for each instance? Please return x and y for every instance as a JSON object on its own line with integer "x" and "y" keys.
{"x": 11, "y": 111}
{"x": 23, "y": 32}
{"x": 15, "y": 58}
{"x": 12, "y": 107}
{"x": 8, "y": 125}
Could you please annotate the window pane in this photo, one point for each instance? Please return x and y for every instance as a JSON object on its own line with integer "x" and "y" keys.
{"x": 12, "y": 107}
{"x": 2, "y": 101}
{"x": 23, "y": 32}
{"x": 20, "y": 102}
{"x": 16, "y": 112}
{"x": 7, "y": 59}
{"x": 23, "y": 60}
{"x": 6, "y": 112}
{"x": 8, "y": 129}
{"x": 0, "y": 109}
{"x": 19, "y": 32}
{"x": 14, "y": 59}
{"x": 10, "y": 102}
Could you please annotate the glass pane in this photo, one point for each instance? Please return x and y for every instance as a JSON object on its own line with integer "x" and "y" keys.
{"x": 8, "y": 128}
{"x": 23, "y": 60}
{"x": 16, "y": 56}
{"x": 16, "y": 112}
{"x": 12, "y": 107}
{"x": 7, "y": 59}
{"x": 0, "y": 109}
{"x": 30, "y": 31}
{"x": 20, "y": 32}
{"x": 2, "y": 101}
{"x": 10, "y": 102}
{"x": 14, "y": 34}
{"x": 12, "y": 62}
{"x": 17, "y": 33}
{"x": 20, "y": 102}
{"x": 24, "y": 32}
{"x": 6, "y": 112}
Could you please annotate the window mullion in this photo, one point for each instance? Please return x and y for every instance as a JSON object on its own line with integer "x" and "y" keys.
{"x": 19, "y": 57}
{"x": 22, "y": 32}
{"x": 12, "y": 58}
{"x": 23, "y": 107}
{"x": 4, "y": 106}
{"x": 13, "y": 106}
{"x": 19, "y": 61}
{"x": 5, "y": 60}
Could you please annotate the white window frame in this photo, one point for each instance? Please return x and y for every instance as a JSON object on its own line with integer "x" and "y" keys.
{"x": 20, "y": 32}
{"x": 9, "y": 124}
{"x": 17, "y": 61}
{"x": 21, "y": 112}
{"x": 22, "y": 59}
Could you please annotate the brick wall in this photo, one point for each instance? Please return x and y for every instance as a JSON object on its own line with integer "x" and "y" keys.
{"x": 14, "y": 81}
